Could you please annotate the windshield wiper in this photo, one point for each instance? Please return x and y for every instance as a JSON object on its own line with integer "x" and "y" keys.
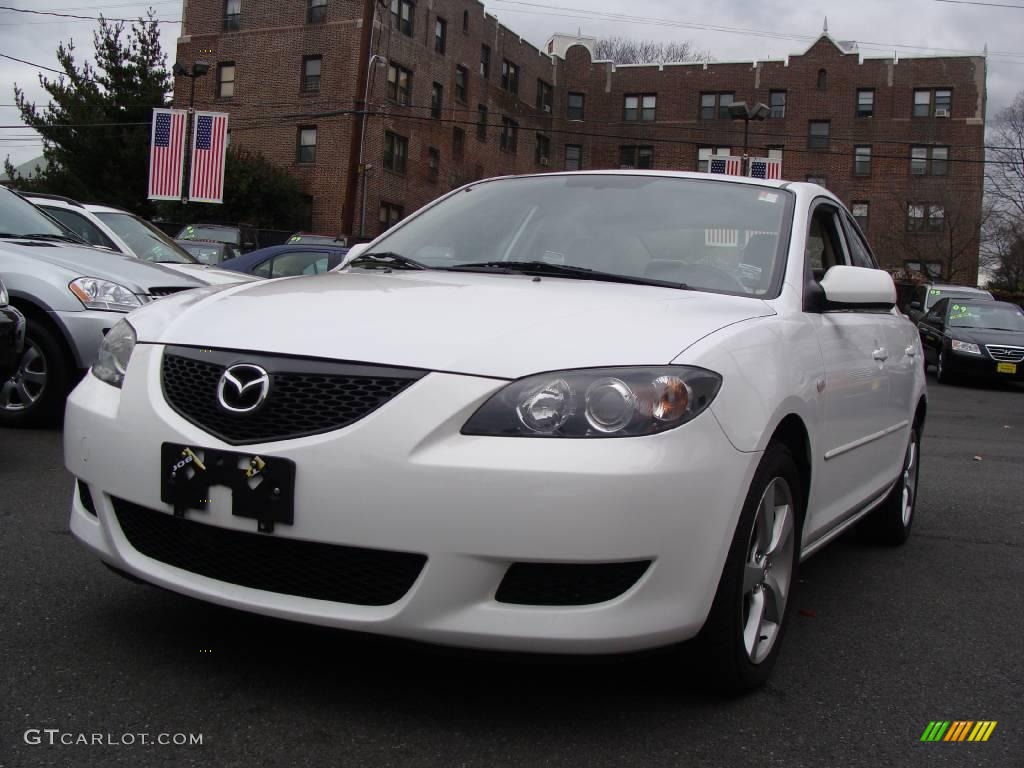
{"x": 62, "y": 238}
{"x": 561, "y": 270}
{"x": 387, "y": 259}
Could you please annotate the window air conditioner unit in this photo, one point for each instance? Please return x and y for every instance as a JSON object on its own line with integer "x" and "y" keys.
{"x": 547, "y": 108}
{"x": 942, "y": 113}
{"x": 545, "y": 162}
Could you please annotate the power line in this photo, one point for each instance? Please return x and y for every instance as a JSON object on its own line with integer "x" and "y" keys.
{"x": 77, "y": 16}
{"x": 976, "y": 2}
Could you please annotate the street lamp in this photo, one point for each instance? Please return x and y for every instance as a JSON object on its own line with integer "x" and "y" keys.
{"x": 739, "y": 110}
{"x": 375, "y": 59}
{"x": 197, "y": 70}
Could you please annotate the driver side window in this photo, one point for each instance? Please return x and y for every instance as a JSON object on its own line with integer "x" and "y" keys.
{"x": 825, "y": 248}
{"x": 937, "y": 314}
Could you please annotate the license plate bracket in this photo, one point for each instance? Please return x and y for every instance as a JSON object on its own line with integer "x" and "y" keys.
{"x": 262, "y": 487}
{"x": 1006, "y": 368}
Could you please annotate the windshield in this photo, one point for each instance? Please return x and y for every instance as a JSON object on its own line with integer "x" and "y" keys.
{"x": 709, "y": 235}
{"x": 146, "y": 241}
{"x": 217, "y": 234}
{"x": 205, "y": 251}
{"x": 1002, "y": 316}
{"x": 19, "y": 217}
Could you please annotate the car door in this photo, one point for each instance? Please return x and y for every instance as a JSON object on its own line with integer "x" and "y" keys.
{"x": 854, "y": 391}
{"x": 931, "y": 330}
{"x": 900, "y": 350}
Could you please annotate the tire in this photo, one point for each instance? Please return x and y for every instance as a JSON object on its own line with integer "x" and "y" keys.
{"x": 942, "y": 374}
{"x": 737, "y": 651}
{"x": 891, "y": 521}
{"x": 35, "y": 393}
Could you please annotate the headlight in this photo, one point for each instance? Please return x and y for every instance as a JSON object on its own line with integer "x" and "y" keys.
{"x": 605, "y": 402}
{"x": 115, "y": 352}
{"x": 103, "y": 294}
{"x": 963, "y": 346}
{"x": 4, "y": 298}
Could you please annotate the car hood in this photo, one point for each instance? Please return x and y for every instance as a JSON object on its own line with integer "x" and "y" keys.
{"x": 81, "y": 261}
{"x": 985, "y": 336}
{"x": 504, "y": 326}
{"x": 211, "y": 275}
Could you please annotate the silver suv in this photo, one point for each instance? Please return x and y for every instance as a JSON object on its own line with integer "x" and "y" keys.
{"x": 71, "y": 295}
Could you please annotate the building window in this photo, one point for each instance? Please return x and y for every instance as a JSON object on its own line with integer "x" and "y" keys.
{"x": 403, "y": 16}
{"x": 918, "y": 161}
{"x": 862, "y": 160}
{"x": 465, "y": 21}
{"x": 399, "y": 84}
{"x": 226, "y": 80}
{"x": 861, "y": 214}
{"x": 926, "y": 161}
{"x": 509, "y": 76}
{"x": 306, "y": 151}
{"x": 866, "y": 102}
{"x": 396, "y": 152}
{"x": 575, "y": 106}
{"x": 485, "y": 61}
{"x": 822, "y": 79}
{"x": 481, "y": 122}
{"x": 509, "y": 135}
{"x": 573, "y": 157}
{"x": 636, "y": 157}
{"x": 777, "y": 102}
{"x": 542, "y": 155}
{"x": 545, "y": 97}
{"x": 925, "y": 217}
{"x": 818, "y": 134}
{"x": 929, "y": 102}
{"x": 433, "y": 164}
{"x": 440, "y": 35}
{"x": 316, "y": 11}
{"x": 716, "y": 105}
{"x": 311, "y": 73}
{"x": 775, "y": 153}
{"x": 436, "y": 100}
{"x": 940, "y": 161}
{"x": 704, "y": 155}
{"x": 232, "y": 15}
{"x": 390, "y": 215}
{"x": 461, "y": 81}
{"x": 640, "y": 106}
{"x": 458, "y": 143}
{"x": 821, "y": 181}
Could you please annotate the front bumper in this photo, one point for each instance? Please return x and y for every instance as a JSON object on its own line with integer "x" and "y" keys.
{"x": 12, "y": 339}
{"x": 84, "y": 332}
{"x": 404, "y": 479}
{"x": 981, "y": 366}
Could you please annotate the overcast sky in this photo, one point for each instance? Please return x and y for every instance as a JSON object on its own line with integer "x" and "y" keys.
{"x": 878, "y": 25}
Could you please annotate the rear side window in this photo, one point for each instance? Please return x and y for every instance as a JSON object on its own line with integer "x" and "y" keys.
{"x": 81, "y": 226}
{"x": 860, "y": 254}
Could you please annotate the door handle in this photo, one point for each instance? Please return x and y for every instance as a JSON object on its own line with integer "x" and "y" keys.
{"x": 881, "y": 354}
{"x": 911, "y": 351}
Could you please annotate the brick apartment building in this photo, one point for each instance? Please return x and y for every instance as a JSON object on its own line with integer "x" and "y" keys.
{"x": 455, "y": 96}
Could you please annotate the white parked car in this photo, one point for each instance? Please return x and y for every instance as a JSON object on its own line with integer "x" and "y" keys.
{"x": 582, "y": 413}
{"x": 124, "y": 232}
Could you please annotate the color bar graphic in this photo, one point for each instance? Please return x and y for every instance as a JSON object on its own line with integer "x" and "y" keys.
{"x": 958, "y": 730}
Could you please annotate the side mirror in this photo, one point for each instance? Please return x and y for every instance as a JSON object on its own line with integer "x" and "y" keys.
{"x": 858, "y": 288}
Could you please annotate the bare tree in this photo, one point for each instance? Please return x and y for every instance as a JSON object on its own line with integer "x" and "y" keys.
{"x": 628, "y": 50}
{"x": 1003, "y": 254}
{"x": 1004, "y": 172}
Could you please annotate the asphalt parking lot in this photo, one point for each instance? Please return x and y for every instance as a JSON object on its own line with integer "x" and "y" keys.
{"x": 886, "y": 640}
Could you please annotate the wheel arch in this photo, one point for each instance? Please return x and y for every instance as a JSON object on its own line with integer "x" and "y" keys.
{"x": 35, "y": 313}
{"x": 792, "y": 433}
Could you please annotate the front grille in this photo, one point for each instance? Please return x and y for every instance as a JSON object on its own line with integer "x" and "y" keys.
{"x": 270, "y": 563}
{"x": 159, "y": 293}
{"x": 568, "y": 584}
{"x": 1005, "y": 354}
{"x": 86, "y": 498}
{"x": 306, "y": 397}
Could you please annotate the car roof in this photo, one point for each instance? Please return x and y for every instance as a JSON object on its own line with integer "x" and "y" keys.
{"x": 105, "y": 209}
{"x": 257, "y": 256}
{"x": 33, "y": 196}
{"x": 952, "y": 287}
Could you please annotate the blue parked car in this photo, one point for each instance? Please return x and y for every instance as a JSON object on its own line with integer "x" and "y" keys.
{"x": 288, "y": 260}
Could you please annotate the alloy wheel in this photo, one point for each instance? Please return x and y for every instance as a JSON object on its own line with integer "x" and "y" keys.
{"x": 768, "y": 574}
{"x": 24, "y": 388}
{"x": 910, "y": 467}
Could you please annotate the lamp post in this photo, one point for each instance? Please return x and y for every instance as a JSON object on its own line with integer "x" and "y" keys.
{"x": 375, "y": 59}
{"x": 740, "y": 110}
{"x": 197, "y": 70}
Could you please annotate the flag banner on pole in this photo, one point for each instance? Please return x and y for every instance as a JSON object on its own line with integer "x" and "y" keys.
{"x": 765, "y": 168}
{"x": 727, "y": 164}
{"x": 166, "y": 154}
{"x": 209, "y": 146}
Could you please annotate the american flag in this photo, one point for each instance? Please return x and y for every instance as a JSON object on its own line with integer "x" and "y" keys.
{"x": 730, "y": 166}
{"x": 166, "y": 154}
{"x": 209, "y": 145}
{"x": 764, "y": 168}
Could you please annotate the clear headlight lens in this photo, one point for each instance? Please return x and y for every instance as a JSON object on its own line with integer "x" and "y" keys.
{"x": 606, "y": 402}
{"x": 95, "y": 293}
{"x": 4, "y": 298}
{"x": 964, "y": 346}
{"x": 115, "y": 352}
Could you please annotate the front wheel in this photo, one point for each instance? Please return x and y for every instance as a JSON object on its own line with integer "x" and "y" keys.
{"x": 942, "y": 374}
{"x": 741, "y": 638}
{"x": 35, "y": 393}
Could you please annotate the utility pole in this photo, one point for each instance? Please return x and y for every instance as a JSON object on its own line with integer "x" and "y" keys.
{"x": 197, "y": 70}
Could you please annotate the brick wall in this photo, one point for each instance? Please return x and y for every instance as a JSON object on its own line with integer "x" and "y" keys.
{"x": 268, "y": 107}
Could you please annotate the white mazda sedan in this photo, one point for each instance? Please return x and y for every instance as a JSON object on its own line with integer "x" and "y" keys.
{"x": 582, "y": 413}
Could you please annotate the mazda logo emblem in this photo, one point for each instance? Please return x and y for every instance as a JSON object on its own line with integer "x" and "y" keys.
{"x": 243, "y": 388}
